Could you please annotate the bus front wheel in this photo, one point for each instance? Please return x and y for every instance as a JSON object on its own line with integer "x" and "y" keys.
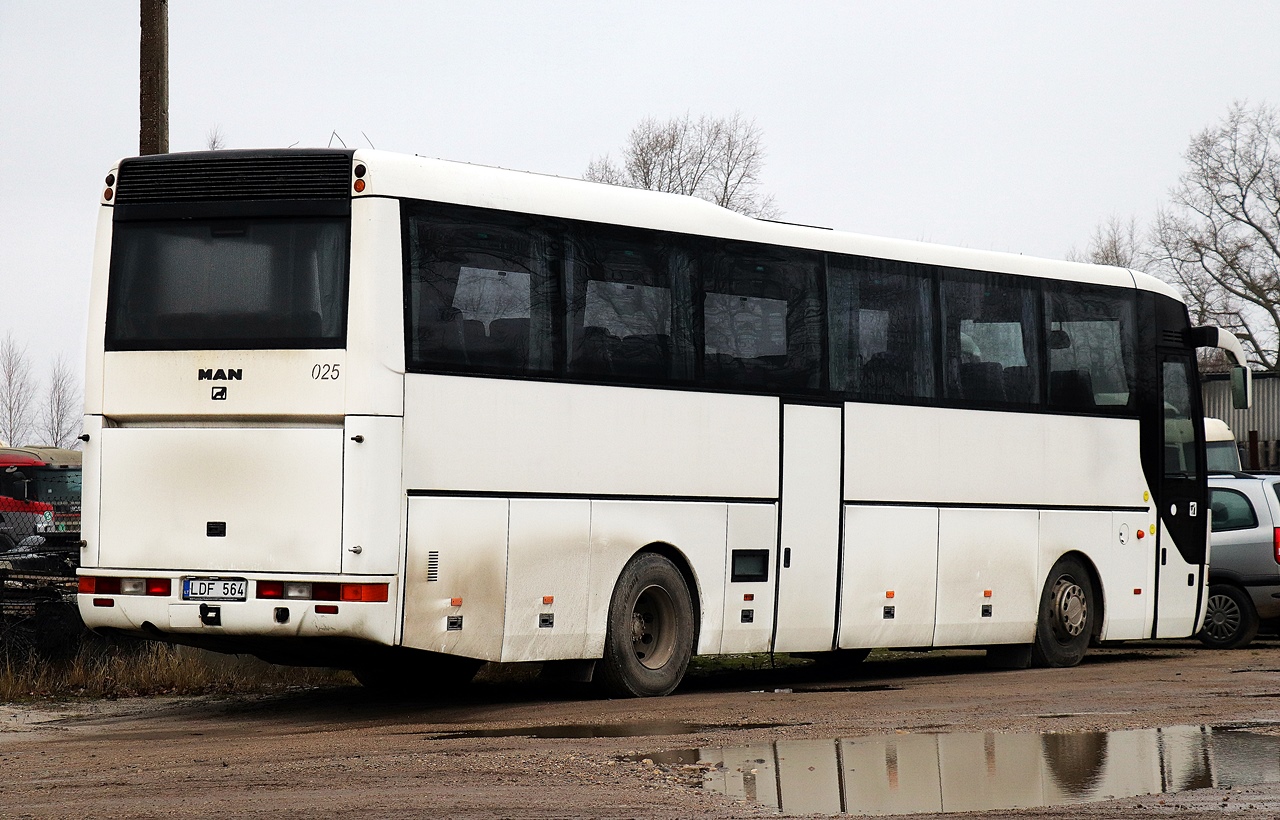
{"x": 649, "y": 638}
{"x": 1067, "y": 612}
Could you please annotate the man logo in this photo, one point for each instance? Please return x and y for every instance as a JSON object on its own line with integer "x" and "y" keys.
{"x": 219, "y": 394}
{"x": 219, "y": 375}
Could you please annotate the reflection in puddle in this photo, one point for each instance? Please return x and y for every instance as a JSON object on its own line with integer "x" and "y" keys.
{"x": 651, "y": 728}
{"x": 910, "y": 773}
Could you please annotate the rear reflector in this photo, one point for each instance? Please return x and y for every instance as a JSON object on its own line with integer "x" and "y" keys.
{"x": 104, "y": 602}
{"x": 326, "y": 609}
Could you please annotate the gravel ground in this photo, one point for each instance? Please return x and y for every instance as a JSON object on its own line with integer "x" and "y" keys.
{"x": 321, "y": 753}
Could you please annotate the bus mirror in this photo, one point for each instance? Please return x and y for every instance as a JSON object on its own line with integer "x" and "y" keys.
{"x": 1241, "y": 387}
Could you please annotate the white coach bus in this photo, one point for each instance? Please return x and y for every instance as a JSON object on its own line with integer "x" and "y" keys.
{"x": 404, "y": 416}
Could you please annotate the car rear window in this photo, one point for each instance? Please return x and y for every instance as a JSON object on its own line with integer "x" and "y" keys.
{"x": 1231, "y": 510}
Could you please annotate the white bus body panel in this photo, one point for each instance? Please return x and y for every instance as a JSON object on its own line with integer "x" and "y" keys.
{"x": 375, "y": 320}
{"x": 549, "y": 556}
{"x": 889, "y": 550}
{"x": 810, "y": 528}
{"x": 457, "y": 548}
{"x": 372, "y": 500}
{"x": 97, "y": 331}
{"x": 1037, "y": 459}
{"x": 164, "y": 385}
{"x": 501, "y": 556}
{"x": 751, "y": 527}
{"x": 981, "y": 551}
{"x": 505, "y": 436}
{"x": 161, "y": 486}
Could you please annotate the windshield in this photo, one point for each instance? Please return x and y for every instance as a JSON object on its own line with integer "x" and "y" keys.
{"x": 1221, "y": 457}
{"x": 228, "y": 283}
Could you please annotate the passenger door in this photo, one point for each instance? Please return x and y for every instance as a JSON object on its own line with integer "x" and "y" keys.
{"x": 812, "y": 449}
{"x": 1184, "y": 519}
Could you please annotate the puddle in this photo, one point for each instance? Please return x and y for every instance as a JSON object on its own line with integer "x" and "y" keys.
{"x": 955, "y": 772}
{"x": 651, "y": 728}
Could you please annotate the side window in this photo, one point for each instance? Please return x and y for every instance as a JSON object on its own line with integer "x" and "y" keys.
{"x": 482, "y": 291}
{"x": 1179, "y": 423}
{"x": 881, "y": 329}
{"x": 990, "y": 339}
{"x": 630, "y": 305}
{"x": 1089, "y": 333}
{"x": 762, "y": 318}
{"x": 1231, "y": 510}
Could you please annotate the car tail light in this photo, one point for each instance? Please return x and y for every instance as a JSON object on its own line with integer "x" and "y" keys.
{"x": 324, "y": 592}
{"x": 297, "y": 589}
{"x": 1275, "y": 542}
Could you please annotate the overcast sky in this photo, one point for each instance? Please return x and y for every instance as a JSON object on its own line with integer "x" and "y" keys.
{"x": 1012, "y": 126}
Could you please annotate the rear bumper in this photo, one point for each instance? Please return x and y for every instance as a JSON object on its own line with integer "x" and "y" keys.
{"x": 251, "y": 622}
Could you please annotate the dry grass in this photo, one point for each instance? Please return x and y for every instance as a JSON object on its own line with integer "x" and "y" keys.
{"x": 152, "y": 669}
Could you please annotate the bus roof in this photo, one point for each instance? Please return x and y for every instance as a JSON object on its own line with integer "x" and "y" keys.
{"x": 400, "y": 175}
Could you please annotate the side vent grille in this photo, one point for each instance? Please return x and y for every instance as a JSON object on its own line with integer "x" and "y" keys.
{"x": 235, "y": 175}
{"x": 433, "y": 566}
{"x": 1173, "y": 338}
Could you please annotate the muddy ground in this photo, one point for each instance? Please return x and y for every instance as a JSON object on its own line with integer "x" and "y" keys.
{"x": 335, "y": 752}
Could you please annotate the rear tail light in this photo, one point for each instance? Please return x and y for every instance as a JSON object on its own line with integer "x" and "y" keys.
{"x": 318, "y": 591}
{"x": 99, "y": 585}
{"x": 1275, "y": 544}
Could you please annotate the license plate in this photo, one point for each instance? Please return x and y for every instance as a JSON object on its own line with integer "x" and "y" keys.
{"x": 214, "y": 589}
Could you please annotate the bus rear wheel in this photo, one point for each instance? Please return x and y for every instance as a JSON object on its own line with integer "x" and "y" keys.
{"x": 649, "y": 638}
{"x": 1067, "y": 612}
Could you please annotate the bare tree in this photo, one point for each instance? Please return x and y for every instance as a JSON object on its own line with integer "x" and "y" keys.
{"x": 719, "y": 159}
{"x": 1117, "y": 242}
{"x": 1219, "y": 240}
{"x": 214, "y": 139}
{"x": 17, "y": 392}
{"x": 61, "y": 414}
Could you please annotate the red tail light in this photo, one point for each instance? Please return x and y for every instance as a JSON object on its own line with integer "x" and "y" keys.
{"x": 1275, "y": 542}
{"x": 97, "y": 585}
{"x": 162, "y": 587}
{"x": 366, "y": 593}
{"x": 271, "y": 589}
{"x": 324, "y": 592}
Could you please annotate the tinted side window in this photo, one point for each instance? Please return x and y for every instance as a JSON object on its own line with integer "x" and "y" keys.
{"x": 630, "y": 312}
{"x": 1090, "y": 336}
{"x": 762, "y": 318}
{"x": 482, "y": 290}
{"x": 1231, "y": 510}
{"x": 881, "y": 329}
{"x": 990, "y": 341}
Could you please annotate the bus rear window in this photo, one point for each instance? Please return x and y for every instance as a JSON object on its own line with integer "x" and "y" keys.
{"x": 228, "y": 283}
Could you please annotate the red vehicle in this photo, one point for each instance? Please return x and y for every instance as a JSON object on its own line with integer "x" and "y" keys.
{"x": 39, "y": 496}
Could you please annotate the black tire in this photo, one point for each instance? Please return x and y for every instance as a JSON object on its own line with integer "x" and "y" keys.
{"x": 1230, "y": 619}
{"x": 1068, "y": 610}
{"x": 649, "y": 638}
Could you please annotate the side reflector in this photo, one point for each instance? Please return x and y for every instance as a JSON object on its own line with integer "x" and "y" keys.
{"x": 359, "y": 186}
{"x": 986, "y": 593}
{"x": 455, "y": 602}
{"x": 1142, "y": 534}
{"x": 326, "y": 609}
{"x": 749, "y": 596}
{"x": 1137, "y": 592}
{"x": 888, "y": 593}
{"x": 548, "y": 600}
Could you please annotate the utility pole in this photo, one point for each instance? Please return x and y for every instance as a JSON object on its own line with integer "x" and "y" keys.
{"x": 153, "y": 85}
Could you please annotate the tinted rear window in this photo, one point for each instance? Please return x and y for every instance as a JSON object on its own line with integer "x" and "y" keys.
{"x": 228, "y": 283}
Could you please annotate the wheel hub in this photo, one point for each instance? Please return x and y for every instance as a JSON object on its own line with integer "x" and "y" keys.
{"x": 653, "y": 627}
{"x": 1222, "y": 617}
{"x": 1070, "y": 608}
